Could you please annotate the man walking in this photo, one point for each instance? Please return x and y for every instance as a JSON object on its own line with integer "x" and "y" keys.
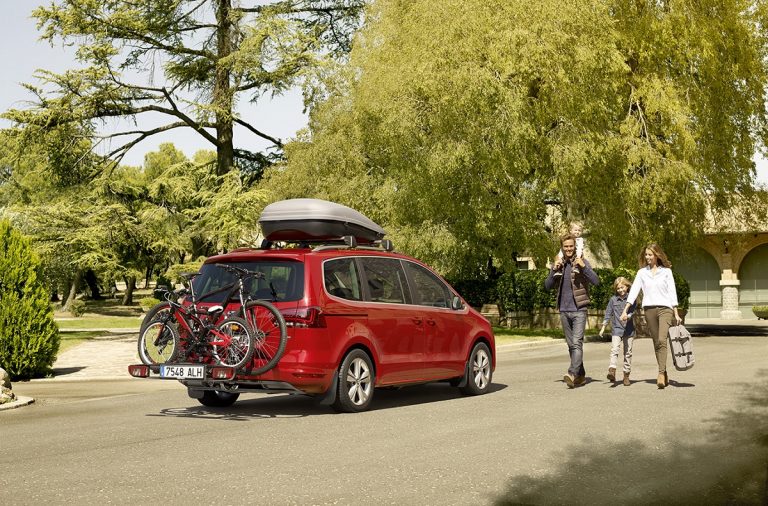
{"x": 572, "y": 300}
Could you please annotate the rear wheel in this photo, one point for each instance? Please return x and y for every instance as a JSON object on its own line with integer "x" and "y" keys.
{"x": 239, "y": 351}
{"x": 479, "y": 371}
{"x": 158, "y": 342}
{"x": 270, "y": 334}
{"x": 161, "y": 308}
{"x": 355, "y": 383}
{"x": 218, "y": 398}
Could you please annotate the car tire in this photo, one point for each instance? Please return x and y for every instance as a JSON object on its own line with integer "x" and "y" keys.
{"x": 479, "y": 371}
{"x": 218, "y": 398}
{"x": 356, "y": 380}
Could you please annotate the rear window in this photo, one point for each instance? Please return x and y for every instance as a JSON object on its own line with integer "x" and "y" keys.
{"x": 283, "y": 281}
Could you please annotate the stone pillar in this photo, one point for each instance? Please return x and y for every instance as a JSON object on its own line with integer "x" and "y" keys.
{"x": 730, "y": 295}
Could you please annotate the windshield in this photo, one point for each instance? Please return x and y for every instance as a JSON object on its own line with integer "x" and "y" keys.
{"x": 282, "y": 281}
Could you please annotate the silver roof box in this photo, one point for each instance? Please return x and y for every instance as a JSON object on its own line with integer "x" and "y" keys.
{"x": 315, "y": 220}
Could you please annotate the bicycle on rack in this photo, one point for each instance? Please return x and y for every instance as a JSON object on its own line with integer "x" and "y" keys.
{"x": 255, "y": 332}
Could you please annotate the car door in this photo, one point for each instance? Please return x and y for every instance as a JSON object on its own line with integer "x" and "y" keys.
{"x": 396, "y": 324}
{"x": 444, "y": 328}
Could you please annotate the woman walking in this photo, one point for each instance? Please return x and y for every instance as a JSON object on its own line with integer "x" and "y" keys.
{"x": 656, "y": 282}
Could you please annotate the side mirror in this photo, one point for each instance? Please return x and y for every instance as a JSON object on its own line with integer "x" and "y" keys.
{"x": 456, "y": 303}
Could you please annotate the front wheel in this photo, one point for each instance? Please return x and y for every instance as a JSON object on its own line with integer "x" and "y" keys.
{"x": 270, "y": 334}
{"x": 234, "y": 346}
{"x": 355, "y": 383}
{"x": 218, "y": 398}
{"x": 159, "y": 341}
{"x": 479, "y": 371}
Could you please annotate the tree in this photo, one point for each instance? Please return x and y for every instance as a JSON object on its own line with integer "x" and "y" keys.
{"x": 29, "y": 338}
{"x": 466, "y": 122}
{"x": 210, "y": 52}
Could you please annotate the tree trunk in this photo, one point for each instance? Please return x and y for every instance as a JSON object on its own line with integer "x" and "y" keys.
{"x": 93, "y": 284}
{"x": 222, "y": 92}
{"x": 130, "y": 285}
{"x": 72, "y": 293}
{"x": 148, "y": 275}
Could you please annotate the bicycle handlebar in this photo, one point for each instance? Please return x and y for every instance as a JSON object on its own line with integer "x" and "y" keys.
{"x": 240, "y": 272}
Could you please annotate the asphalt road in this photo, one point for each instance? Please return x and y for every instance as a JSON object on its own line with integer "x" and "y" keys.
{"x": 703, "y": 440}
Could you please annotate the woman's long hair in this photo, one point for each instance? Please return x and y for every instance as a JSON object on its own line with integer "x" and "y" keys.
{"x": 661, "y": 257}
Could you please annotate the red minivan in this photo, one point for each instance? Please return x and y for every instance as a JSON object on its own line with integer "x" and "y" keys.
{"x": 357, "y": 317}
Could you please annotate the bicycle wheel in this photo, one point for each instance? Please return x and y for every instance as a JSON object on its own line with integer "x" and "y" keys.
{"x": 269, "y": 334}
{"x": 158, "y": 342}
{"x": 163, "y": 307}
{"x": 239, "y": 351}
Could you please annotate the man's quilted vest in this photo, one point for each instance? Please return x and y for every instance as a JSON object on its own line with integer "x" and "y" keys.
{"x": 580, "y": 287}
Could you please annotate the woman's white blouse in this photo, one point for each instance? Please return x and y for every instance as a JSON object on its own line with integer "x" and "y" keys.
{"x": 658, "y": 289}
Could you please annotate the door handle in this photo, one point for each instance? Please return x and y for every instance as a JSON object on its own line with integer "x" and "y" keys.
{"x": 431, "y": 322}
{"x": 417, "y": 320}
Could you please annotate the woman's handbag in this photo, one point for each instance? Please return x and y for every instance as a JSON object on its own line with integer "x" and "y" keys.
{"x": 681, "y": 345}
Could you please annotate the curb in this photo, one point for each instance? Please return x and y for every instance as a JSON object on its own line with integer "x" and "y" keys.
{"x": 530, "y": 344}
{"x": 19, "y": 402}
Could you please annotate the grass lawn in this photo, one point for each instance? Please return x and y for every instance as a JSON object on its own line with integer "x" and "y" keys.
{"x": 505, "y": 335}
{"x": 96, "y": 321}
{"x": 71, "y": 339}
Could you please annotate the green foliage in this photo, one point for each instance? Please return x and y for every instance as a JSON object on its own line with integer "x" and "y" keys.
{"x": 175, "y": 271}
{"x": 77, "y": 308}
{"x": 460, "y": 119}
{"x": 523, "y": 290}
{"x": 29, "y": 338}
{"x": 148, "y": 302}
{"x": 213, "y": 55}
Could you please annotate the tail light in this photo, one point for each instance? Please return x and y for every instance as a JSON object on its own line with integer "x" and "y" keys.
{"x": 138, "y": 371}
{"x": 222, "y": 373}
{"x": 304, "y": 317}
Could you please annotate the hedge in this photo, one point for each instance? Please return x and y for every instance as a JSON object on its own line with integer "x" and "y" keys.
{"x": 524, "y": 290}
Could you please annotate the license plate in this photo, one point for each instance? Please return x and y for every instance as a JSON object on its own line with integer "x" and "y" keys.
{"x": 183, "y": 371}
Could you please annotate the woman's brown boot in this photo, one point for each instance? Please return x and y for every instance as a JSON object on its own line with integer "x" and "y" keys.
{"x": 626, "y": 379}
{"x": 661, "y": 381}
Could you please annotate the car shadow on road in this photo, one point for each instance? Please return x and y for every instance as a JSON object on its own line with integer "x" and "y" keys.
{"x": 726, "y": 463}
{"x": 297, "y": 406}
{"x": 63, "y": 371}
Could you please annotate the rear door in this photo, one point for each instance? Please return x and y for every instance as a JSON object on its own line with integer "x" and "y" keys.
{"x": 396, "y": 324}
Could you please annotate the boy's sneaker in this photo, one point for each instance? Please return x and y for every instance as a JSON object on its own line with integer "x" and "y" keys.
{"x": 558, "y": 273}
{"x": 611, "y": 374}
{"x": 576, "y": 269}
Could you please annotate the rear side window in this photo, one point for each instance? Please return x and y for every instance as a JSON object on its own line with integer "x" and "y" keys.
{"x": 341, "y": 278}
{"x": 386, "y": 280}
{"x": 429, "y": 290}
{"x": 283, "y": 281}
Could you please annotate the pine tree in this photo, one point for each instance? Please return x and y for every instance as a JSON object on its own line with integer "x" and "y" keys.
{"x": 29, "y": 338}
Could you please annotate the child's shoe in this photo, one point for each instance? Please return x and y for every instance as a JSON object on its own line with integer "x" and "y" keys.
{"x": 626, "y": 379}
{"x": 611, "y": 374}
{"x": 576, "y": 269}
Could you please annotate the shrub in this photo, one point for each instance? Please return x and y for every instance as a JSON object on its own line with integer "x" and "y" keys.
{"x": 476, "y": 291}
{"x": 77, "y": 308}
{"x": 29, "y": 338}
{"x": 148, "y": 302}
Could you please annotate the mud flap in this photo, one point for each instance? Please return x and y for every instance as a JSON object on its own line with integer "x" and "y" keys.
{"x": 195, "y": 393}
{"x": 465, "y": 379}
{"x": 330, "y": 396}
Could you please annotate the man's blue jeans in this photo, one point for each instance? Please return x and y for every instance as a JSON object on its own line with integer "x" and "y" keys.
{"x": 573, "y": 323}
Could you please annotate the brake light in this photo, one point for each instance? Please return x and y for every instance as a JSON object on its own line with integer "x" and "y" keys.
{"x": 223, "y": 373}
{"x": 304, "y": 317}
{"x": 138, "y": 371}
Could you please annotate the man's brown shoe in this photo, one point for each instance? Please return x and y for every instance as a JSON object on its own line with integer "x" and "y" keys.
{"x": 626, "y": 379}
{"x": 661, "y": 381}
{"x": 569, "y": 380}
{"x": 579, "y": 380}
{"x": 611, "y": 374}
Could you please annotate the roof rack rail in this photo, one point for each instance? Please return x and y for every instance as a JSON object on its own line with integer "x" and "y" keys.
{"x": 349, "y": 242}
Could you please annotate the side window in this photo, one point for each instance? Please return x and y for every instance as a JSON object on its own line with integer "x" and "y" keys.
{"x": 429, "y": 290}
{"x": 386, "y": 280}
{"x": 341, "y": 279}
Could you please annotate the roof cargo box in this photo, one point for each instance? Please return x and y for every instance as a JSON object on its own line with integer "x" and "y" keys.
{"x": 314, "y": 220}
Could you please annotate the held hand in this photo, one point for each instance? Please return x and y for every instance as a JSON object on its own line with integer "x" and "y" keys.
{"x": 623, "y": 316}
{"x": 679, "y": 320}
{"x": 579, "y": 262}
{"x": 558, "y": 264}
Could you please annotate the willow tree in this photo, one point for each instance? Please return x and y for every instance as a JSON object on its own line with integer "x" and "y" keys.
{"x": 188, "y": 61}
{"x": 462, "y": 125}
